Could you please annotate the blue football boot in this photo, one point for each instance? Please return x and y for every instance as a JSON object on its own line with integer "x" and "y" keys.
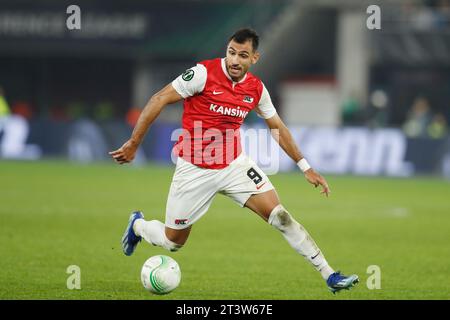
{"x": 130, "y": 239}
{"x": 338, "y": 281}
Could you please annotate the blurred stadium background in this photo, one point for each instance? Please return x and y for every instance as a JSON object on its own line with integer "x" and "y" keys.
{"x": 359, "y": 102}
{"x": 80, "y": 91}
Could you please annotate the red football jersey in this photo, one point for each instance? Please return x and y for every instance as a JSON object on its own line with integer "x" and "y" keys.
{"x": 214, "y": 112}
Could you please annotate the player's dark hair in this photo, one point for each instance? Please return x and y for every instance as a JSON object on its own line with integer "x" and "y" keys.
{"x": 245, "y": 34}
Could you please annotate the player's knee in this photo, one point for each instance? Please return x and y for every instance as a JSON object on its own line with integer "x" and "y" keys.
{"x": 280, "y": 218}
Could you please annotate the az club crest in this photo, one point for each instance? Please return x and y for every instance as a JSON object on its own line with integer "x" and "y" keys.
{"x": 248, "y": 99}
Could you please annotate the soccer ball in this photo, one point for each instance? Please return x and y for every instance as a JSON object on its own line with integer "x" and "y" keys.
{"x": 160, "y": 274}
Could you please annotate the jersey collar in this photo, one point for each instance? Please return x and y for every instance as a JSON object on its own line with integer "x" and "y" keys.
{"x": 224, "y": 69}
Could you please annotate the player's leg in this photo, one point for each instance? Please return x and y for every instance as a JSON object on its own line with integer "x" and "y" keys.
{"x": 156, "y": 233}
{"x": 190, "y": 195}
{"x": 268, "y": 206}
{"x": 152, "y": 231}
{"x": 263, "y": 203}
{"x": 249, "y": 186}
{"x": 178, "y": 236}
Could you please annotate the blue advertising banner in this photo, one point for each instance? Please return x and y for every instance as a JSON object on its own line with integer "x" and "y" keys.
{"x": 344, "y": 150}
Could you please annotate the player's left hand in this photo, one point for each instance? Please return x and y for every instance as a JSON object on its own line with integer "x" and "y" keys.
{"x": 125, "y": 153}
{"x": 316, "y": 179}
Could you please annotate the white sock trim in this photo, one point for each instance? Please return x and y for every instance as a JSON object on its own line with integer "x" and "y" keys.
{"x": 137, "y": 226}
{"x": 170, "y": 245}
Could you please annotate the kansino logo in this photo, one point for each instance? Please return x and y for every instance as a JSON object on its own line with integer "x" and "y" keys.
{"x": 228, "y": 111}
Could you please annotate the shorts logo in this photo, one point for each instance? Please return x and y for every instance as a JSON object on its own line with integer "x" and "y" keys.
{"x": 188, "y": 75}
{"x": 180, "y": 221}
{"x": 248, "y": 99}
{"x": 260, "y": 186}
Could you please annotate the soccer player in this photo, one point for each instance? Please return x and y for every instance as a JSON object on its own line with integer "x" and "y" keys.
{"x": 218, "y": 94}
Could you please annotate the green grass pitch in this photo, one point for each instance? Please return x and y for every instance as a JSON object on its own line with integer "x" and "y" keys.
{"x": 54, "y": 214}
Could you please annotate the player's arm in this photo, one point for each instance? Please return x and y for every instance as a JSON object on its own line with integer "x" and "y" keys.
{"x": 157, "y": 102}
{"x": 283, "y": 136}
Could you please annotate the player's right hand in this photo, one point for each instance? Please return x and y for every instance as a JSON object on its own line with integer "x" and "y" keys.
{"x": 125, "y": 153}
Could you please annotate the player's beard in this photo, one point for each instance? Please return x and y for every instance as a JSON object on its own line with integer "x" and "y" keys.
{"x": 236, "y": 73}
